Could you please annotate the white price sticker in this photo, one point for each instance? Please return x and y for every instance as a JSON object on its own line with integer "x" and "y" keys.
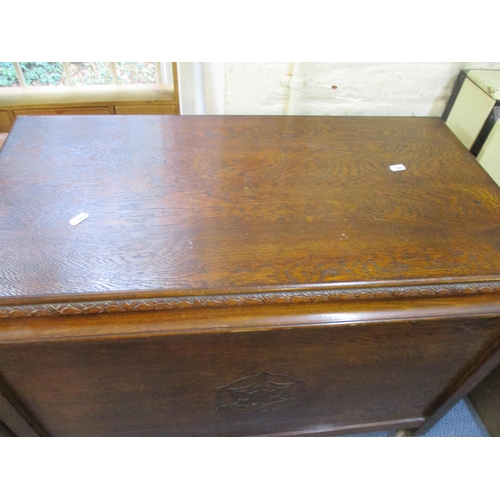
{"x": 397, "y": 168}
{"x": 79, "y": 218}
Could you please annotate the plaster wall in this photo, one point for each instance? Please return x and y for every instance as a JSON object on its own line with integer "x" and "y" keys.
{"x": 377, "y": 89}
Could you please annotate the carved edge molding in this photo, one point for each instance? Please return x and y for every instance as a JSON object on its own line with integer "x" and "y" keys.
{"x": 248, "y": 299}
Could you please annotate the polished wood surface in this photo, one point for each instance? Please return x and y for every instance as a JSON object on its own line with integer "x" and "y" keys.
{"x": 339, "y": 376}
{"x": 242, "y": 275}
{"x": 240, "y": 203}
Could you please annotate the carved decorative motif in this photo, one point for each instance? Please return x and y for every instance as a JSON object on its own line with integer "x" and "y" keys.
{"x": 258, "y": 393}
{"x": 246, "y": 299}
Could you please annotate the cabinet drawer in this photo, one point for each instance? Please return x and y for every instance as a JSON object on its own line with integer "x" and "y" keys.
{"x": 164, "y": 109}
{"x": 62, "y": 111}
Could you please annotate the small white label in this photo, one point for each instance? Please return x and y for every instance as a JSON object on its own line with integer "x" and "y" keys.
{"x": 397, "y": 168}
{"x": 79, "y": 218}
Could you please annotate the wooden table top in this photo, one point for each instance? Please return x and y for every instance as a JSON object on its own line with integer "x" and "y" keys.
{"x": 197, "y": 205}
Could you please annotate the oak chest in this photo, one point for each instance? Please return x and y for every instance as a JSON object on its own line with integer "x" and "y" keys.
{"x": 242, "y": 275}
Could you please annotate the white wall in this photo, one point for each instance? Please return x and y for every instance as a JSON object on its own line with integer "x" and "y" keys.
{"x": 191, "y": 88}
{"x": 383, "y": 89}
{"x": 214, "y": 85}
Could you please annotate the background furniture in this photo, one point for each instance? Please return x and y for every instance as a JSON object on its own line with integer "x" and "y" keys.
{"x": 133, "y": 99}
{"x": 473, "y": 113}
{"x": 242, "y": 275}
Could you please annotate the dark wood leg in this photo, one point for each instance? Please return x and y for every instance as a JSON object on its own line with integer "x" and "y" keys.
{"x": 485, "y": 399}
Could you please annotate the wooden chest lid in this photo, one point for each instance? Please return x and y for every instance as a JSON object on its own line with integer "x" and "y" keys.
{"x": 197, "y": 206}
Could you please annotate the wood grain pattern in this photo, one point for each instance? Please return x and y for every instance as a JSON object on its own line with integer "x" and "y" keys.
{"x": 168, "y": 385}
{"x": 239, "y": 202}
{"x": 230, "y": 265}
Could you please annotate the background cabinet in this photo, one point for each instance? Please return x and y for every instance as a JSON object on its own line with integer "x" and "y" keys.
{"x": 136, "y": 99}
{"x": 473, "y": 113}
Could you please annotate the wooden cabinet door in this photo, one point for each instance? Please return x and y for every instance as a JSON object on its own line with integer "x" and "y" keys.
{"x": 63, "y": 111}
